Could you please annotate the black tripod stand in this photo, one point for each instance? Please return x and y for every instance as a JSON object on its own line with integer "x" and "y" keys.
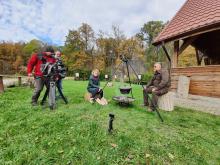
{"x": 51, "y": 86}
{"x": 127, "y": 63}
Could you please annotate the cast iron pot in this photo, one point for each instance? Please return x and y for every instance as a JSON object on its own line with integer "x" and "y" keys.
{"x": 125, "y": 90}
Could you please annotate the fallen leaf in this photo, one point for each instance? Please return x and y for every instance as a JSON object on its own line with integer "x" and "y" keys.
{"x": 60, "y": 151}
{"x": 130, "y": 156}
{"x": 171, "y": 156}
{"x": 114, "y": 145}
{"x": 127, "y": 160}
{"x": 147, "y": 155}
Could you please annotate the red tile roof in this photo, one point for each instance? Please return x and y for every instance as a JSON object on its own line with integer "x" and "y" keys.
{"x": 194, "y": 15}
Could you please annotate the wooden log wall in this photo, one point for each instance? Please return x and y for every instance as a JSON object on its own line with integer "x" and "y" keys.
{"x": 204, "y": 81}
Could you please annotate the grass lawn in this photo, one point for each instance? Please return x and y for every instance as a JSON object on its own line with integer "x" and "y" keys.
{"x": 77, "y": 133}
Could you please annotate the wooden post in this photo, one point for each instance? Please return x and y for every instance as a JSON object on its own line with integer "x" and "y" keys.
{"x": 198, "y": 58}
{"x": 1, "y": 84}
{"x": 19, "y": 81}
{"x": 175, "y": 55}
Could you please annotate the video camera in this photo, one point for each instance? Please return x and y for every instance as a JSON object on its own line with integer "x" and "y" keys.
{"x": 55, "y": 70}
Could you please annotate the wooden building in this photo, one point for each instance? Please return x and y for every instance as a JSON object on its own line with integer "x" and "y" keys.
{"x": 197, "y": 24}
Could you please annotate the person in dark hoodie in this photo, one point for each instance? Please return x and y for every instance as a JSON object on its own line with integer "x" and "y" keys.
{"x": 94, "y": 88}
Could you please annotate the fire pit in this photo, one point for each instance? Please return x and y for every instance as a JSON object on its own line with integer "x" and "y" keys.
{"x": 125, "y": 90}
{"x": 123, "y": 99}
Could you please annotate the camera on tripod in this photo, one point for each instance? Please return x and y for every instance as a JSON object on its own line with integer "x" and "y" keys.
{"x": 123, "y": 58}
{"x": 55, "y": 70}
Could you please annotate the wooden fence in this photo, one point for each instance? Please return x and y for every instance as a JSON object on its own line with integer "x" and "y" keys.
{"x": 19, "y": 80}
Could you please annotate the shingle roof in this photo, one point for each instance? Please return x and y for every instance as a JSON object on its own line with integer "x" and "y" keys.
{"x": 194, "y": 15}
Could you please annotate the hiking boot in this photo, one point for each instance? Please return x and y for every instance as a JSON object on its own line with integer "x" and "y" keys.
{"x": 151, "y": 109}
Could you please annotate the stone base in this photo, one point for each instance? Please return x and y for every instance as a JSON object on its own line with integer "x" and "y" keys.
{"x": 199, "y": 103}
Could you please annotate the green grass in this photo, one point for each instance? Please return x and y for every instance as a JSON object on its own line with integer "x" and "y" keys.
{"x": 77, "y": 133}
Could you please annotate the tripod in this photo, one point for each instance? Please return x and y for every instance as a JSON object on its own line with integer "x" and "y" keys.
{"x": 127, "y": 63}
{"x": 51, "y": 93}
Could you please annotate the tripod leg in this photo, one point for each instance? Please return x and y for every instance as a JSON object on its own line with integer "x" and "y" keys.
{"x": 113, "y": 74}
{"x": 61, "y": 94}
{"x": 52, "y": 95}
{"x": 45, "y": 95}
{"x": 129, "y": 78}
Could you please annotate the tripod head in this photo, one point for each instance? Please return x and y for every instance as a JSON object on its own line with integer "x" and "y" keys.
{"x": 123, "y": 58}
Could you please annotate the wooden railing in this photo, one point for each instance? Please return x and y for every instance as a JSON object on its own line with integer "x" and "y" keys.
{"x": 19, "y": 78}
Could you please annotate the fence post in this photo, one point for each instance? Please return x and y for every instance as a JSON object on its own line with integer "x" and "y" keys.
{"x": 19, "y": 81}
{"x": 1, "y": 84}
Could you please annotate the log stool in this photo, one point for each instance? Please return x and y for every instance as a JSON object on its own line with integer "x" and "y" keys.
{"x": 87, "y": 96}
{"x": 165, "y": 102}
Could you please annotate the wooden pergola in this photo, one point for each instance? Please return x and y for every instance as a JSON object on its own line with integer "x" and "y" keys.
{"x": 197, "y": 24}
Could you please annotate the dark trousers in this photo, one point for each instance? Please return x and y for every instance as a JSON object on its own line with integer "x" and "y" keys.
{"x": 59, "y": 85}
{"x": 98, "y": 94}
{"x": 39, "y": 84}
{"x": 155, "y": 96}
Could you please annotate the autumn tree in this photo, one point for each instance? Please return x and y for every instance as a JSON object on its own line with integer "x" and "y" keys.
{"x": 148, "y": 32}
{"x": 79, "y": 48}
{"x": 11, "y": 57}
{"x": 32, "y": 47}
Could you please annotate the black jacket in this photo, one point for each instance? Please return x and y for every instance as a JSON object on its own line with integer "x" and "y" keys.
{"x": 160, "y": 80}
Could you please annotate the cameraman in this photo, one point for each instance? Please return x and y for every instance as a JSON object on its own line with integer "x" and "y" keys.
{"x": 36, "y": 62}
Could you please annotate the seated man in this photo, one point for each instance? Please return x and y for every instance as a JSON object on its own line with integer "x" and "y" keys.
{"x": 157, "y": 86}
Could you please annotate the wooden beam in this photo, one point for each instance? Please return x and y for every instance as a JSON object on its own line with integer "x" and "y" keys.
{"x": 199, "y": 59}
{"x": 168, "y": 57}
{"x": 175, "y": 54}
{"x": 186, "y": 43}
{"x": 166, "y": 52}
{"x": 19, "y": 81}
{"x": 1, "y": 84}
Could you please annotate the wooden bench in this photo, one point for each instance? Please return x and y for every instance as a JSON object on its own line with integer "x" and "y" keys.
{"x": 166, "y": 102}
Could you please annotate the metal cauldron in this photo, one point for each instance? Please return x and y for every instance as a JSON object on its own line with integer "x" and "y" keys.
{"x": 125, "y": 90}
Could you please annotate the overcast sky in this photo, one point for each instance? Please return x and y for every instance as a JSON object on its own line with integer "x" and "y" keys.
{"x": 50, "y": 20}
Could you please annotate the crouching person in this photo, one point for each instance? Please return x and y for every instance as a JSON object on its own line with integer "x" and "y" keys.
{"x": 158, "y": 86}
{"x": 94, "y": 88}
